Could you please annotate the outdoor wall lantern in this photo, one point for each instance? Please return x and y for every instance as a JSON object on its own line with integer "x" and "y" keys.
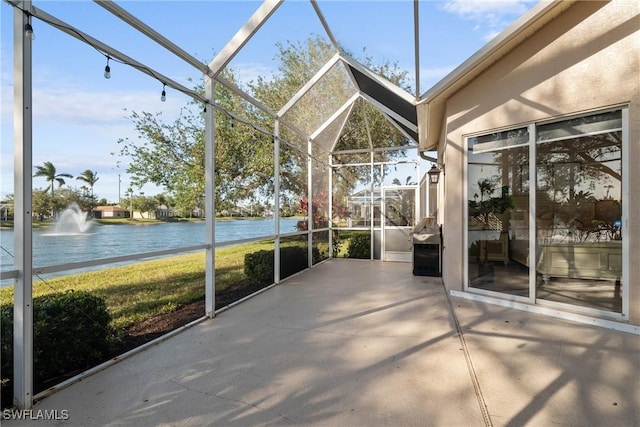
{"x": 434, "y": 174}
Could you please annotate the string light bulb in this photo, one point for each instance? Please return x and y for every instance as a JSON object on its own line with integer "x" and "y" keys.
{"x": 163, "y": 95}
{"x": 107, "y": 70}
{"x": 28, "y": 29}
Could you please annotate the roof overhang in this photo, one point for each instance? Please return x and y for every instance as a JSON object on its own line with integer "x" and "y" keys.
{"x": 432, "y": 104}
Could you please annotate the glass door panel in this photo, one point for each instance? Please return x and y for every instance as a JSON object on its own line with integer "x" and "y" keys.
{"x": 498, "y": 213}
{"x": 579, "y": 215}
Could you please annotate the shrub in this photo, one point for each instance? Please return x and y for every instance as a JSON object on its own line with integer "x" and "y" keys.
{"x": 318, "y": 255}
{"x": 359, "y": 246}
{"x": 71, "y": 332}
{"x": 258, "y": 266}
{"x": 6, "y": 354}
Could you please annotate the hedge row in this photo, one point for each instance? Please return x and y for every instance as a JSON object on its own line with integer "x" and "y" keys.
{"x": 359, "y": 246}
{"x": 71, "y": 332}
{"x": 259, "y": 266}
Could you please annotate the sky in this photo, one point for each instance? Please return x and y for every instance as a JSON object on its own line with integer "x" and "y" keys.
{"x": 79, "y": 115}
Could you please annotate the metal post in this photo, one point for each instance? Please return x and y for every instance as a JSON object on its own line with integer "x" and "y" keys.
{"x": 310, "y": 227}
{"x": 533, "y": 214}
{"x": 209, "y": 200}
{"x": 372, "y": 200}
{"x": 330, "y": 177}
{"x": 276, "y": 201}
{"x": 23, "y": 297}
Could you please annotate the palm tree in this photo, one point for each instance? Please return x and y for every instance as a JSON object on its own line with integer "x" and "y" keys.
{"x": 90, "y": 177}
{"x": 48, "y": 171}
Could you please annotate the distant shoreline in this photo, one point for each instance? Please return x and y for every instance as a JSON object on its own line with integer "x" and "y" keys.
{"x": 8, "y": 225}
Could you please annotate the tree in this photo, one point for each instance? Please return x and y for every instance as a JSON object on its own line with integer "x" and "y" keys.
{"x": 41, "y": 203}
{"x": 66, "y": 196}
{"x": 165, "y": 199}
{"x": 490, "y": 205}
{"x": 48, "y": 171}
{"x": 144, "y": 204}
{"x": 171, "y": 155}
{"x": 299, "y": 61}
{"x": 90, "y": 177}
{"x": 7, "y": 207}
{"x": 127, "y": 202}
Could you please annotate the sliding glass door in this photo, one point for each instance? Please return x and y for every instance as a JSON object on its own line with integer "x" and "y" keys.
{"x": 574, "y": 215}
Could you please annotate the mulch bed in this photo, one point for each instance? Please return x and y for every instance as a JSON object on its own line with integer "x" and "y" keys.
{"x": 157, "y": 326}
{"x": 153, "y": 328}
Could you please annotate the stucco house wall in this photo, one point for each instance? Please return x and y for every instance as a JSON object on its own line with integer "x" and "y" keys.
{"x": 110, "y": 212}
{"x": 586, "y": 59}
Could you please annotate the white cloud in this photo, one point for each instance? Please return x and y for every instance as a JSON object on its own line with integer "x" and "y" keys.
{"x": 80, "y": 106}
{"x": 85, "y": 106}
{"x": 77, "y": 129}
{"x": 479, "y": 9}
{"x": 436, "y": 72}
{"x": 249, "y": 71}
{"x": 431, "y": 76}
{"x": 491, "y": 16}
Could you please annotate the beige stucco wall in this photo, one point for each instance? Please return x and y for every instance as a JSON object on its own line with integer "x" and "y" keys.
{"x": 586, "y": 59}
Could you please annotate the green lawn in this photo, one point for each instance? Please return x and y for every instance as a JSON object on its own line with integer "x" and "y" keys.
{"x": 138, "y": 291}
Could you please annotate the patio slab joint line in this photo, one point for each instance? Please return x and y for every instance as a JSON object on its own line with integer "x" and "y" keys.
{"x": 472, "y": 372}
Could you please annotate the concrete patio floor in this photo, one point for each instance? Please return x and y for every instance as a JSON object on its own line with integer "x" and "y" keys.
{"x": 361, "y": 343}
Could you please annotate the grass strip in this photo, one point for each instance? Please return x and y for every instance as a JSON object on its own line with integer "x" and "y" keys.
{"x": 136, "y": 292}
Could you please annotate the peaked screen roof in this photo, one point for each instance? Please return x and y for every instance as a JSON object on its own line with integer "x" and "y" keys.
{"x": 332, "y": 86}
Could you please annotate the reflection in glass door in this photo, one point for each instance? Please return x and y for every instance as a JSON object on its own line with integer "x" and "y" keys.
{"x": 563, "y": 244}
{"x": 498, "y": 212}
{"x": 579, "y": 212}
{"x": 399, "y": 210}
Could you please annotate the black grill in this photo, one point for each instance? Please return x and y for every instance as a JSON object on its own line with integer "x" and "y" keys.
{"x": 427, "y": 249}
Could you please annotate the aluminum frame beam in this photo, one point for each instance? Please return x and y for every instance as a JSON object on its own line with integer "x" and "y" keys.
{"x": 388, "y": 111}
{"x": 379, "y": 79}
{"x": 276, "y": 202}
{"x": 309, "y": 84}
{"x": 210, "y": 202}
{"x": 248, "y": 30}
{"x": 324, "y": 23}
{"x": 111, "y": 52}
{"x": 134, "y": 22}
{"x": 23, "y": 220}
{"x": 347, "y": 105}
{"x": 137, "y": 24}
